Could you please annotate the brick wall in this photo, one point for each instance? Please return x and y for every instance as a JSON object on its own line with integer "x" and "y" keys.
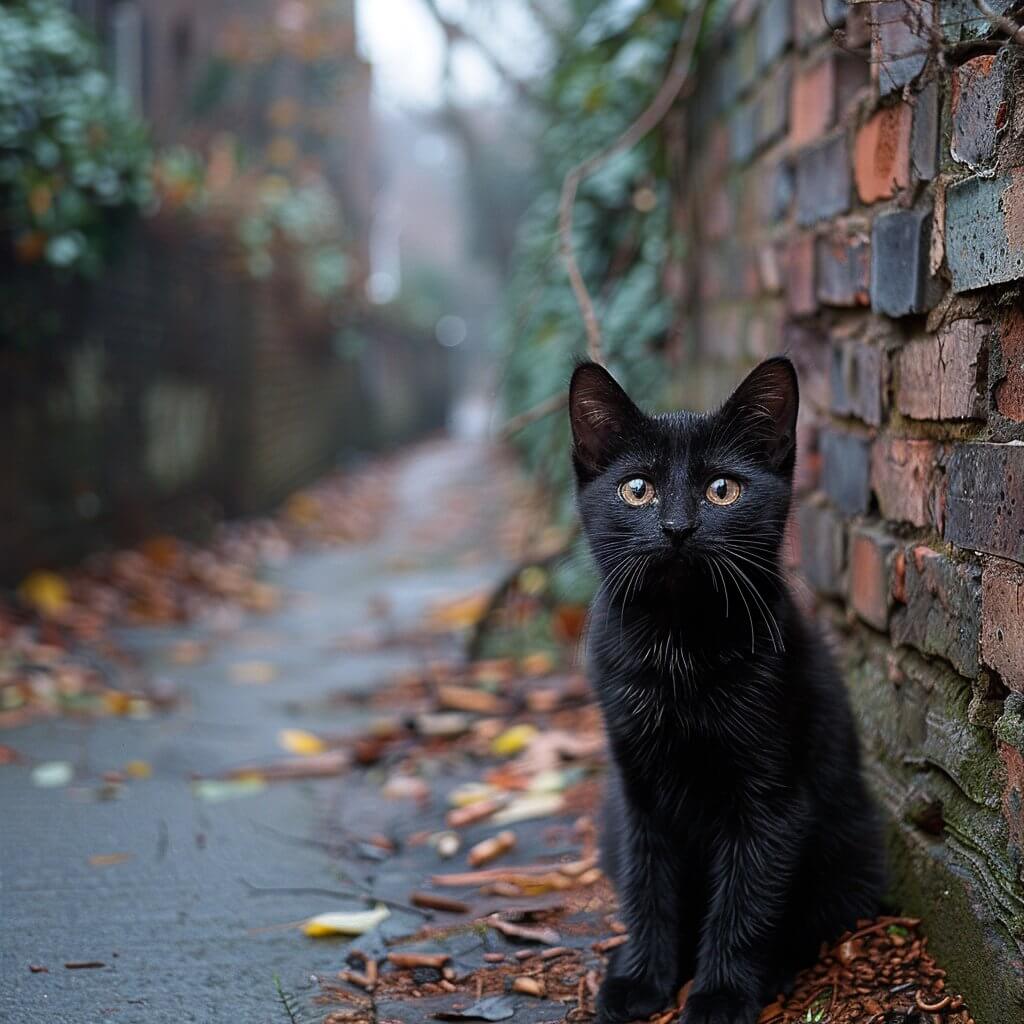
{"x": 853, "y": 194}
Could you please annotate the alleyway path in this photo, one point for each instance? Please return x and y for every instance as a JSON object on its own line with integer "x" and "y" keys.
{"x": 182, "y": 936}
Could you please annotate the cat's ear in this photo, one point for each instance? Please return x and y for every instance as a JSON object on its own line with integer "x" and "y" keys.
{"x": 602, "y": 417}
{"x": 765, "y": 405}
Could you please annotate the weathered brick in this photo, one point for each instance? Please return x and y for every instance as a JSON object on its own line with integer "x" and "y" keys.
{"x": 1009, "y": 393}
{"x": 856, "y": 381}
{"x": 821, "y": 93}
{"x": 743, "y": 131}
{"x": 815, "y": 19}
{"x": 985, "y": 499}
{"x": 924, "y": 136}
{"x": 1013, "y": 796}
{"x": 846, "y": 471}
{"x": 1002, "y": 622}
{"x": 900, "y": 268}
{"x": 943, "y": 377}
{"x": 773, "y": 108}
{"x": 775, "y": 31}
{"x": 900, "y": 41}
{"x": 985, "y": 230}
{"x": 882, "y": 153}
{"x": 800, "y": 293}
{"x": 822, "y": 548}
{"x": 843, "y": 269}
{"x": 905, "y": 479}
{"x": 871, "y": 560}
{"x": 942, "y": 609}
{"x": 823, "y": 181}
{"x": 979, "y": 108}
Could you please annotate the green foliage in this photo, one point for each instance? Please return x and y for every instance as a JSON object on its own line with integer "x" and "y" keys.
{"x": 73, "y": 157}
{"x": 610, "y": 66}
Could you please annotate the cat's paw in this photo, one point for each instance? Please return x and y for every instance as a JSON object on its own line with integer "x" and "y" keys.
{"x": 721, "y": 1007}
{"x": 622, "y": 998}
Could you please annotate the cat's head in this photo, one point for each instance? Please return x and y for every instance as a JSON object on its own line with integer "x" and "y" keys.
{"x": 685, "y": 489}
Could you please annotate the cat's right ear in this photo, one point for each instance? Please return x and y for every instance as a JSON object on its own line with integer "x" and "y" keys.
{"x": 602, "y": 417}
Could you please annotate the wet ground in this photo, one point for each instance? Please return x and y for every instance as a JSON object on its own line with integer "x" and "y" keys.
{"x": 180, "y": 933}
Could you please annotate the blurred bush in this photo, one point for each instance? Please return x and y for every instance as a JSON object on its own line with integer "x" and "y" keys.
{"x": 74, "y": 159}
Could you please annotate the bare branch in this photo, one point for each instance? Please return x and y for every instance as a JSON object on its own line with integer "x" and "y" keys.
{"x": 534, "y": 413}
{"x": 678, "y": 74}
{"x": 1005, "y": 25}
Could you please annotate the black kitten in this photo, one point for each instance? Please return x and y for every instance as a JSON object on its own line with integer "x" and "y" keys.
{"x": 738, "y": 831}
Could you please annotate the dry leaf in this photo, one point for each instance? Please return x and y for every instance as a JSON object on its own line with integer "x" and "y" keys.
{"x": 513, "y": 740}
{"x": 298, "y": 741}
{"x": 352, "y": 922}
{"x": 46, "y": 592}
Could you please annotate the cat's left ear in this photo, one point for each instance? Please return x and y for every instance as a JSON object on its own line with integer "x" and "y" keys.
{"x": 602, "y": 416}
{"x": 766, "y": 405}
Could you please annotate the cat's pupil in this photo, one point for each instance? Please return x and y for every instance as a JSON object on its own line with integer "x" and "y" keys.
{"x": 721, "y": 488}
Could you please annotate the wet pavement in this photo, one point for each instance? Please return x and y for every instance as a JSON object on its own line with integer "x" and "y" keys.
{"x": 174, "y": 916}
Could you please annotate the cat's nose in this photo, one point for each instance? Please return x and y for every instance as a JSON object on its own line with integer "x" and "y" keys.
{"x": 677, "y": 529}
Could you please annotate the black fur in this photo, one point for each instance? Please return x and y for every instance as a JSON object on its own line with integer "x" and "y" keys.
{"x": 738, "y": 831}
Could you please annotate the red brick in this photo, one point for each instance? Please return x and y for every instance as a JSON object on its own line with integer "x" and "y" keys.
{"x": 881, "y": 157}
{"x": 1002, "y": 622}
{"x": 800, "y": 292}
{"x": 1010, "y": 389}
{"x": 812, "y": 102}
{"x": 871, "y": 562}
{"x": 1013, "y": 794}
{"x": 904, "y": 479}
{"x": 944, "y": 377}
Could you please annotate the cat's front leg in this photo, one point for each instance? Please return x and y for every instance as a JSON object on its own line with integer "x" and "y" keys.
{"x": 643, "y": 975}
{"x": 753, "y": 871}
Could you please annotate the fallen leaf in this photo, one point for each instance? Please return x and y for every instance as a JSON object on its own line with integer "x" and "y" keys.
{"x": 538, "y": 664}
{"x": 215, "y": 790}
{"x": 406, "y": 787}
{"x": 298, "y": 741}
{"x": 138, "y": 769}
{"x": 8, "y": 755}
{"x": 513, "y": 740}
{"x": 354, "y": 922}
{"x": 470, "y": 698}
{"x": 188, "y": 652}
{"x": 533, "y": 805}
{"x": 103, "y": 860}
{"x": 46, "y": 592}
{"x": 461, "y": 613}
{"x": 51, "y": 774}
{"x": 253, "y": 673}
{"x": 491, "y": 1008}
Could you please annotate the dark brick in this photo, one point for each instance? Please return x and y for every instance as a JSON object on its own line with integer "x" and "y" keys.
{"x": 856, "y": 381}
{"x": 808, "y": 349}
{"x": 900, "y": 41}
{"x": 871, "y": 567}
{"x": 775, "y": 31}
{"x": 743, "y": 132}
{"x": 822, "y": 548}
{"x": 985, "y": 230}
{"x": 960, "y": 20}
{"x": 924, "y": 137}
{"x": 942, "y": 614}
{"x": 881, "y": 155}
{"x": 843, "y": 265}
{"x": 900, "y": 275}
{"x": 823, "y": 181}
{"x": 985, "y": 499}
{"x": 815, "y": 19}
{"x": 773, "y": 108}
{"x": 857, "y": 34}
{"x": 800, "y": 294}
{"x": 780, "y": 191}
{"x": 905, "y": 479}
{"x": 1009, "y": 393}
{"x": 1002, "y": 622}
{"x": 943, "y": 377}
{"x": 979, "y": 108}
{"x": 846, "y": 471}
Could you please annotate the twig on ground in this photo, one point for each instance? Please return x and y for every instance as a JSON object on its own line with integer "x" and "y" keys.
{"x": 678, "y": 74}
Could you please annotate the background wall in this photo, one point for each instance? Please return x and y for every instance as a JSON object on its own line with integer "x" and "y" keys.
{"x": 853, "y": 194}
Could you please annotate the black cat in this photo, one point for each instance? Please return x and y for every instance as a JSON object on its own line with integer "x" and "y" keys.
{"x": 738, "y": 831}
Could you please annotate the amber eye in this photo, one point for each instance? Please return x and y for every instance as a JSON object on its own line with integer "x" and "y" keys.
{"x": 723, "y": 491}
{"x": 637, "y": 492}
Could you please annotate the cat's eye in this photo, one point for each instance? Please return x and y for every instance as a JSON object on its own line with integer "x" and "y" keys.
{"x": 637, "y": 492}
{"x": 723, "y": 491}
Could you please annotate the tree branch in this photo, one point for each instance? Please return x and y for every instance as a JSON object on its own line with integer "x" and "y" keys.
{"x": 1000, "y": 21}
{"x": 678, "y": 74}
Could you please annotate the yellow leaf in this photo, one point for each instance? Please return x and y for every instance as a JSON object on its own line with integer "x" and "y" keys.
{"x": 45, "y": 591}
{"x": 104, "y": 860}
{"x": 138, "y": 769}
{"x": 298, "y": 741}
{"x": 511, "y": 741}
{"x": 345, "y": 922}
{"x": 459, "y": 614}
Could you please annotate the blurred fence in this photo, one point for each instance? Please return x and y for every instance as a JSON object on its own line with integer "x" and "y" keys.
{"x": 178, "y": 389}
